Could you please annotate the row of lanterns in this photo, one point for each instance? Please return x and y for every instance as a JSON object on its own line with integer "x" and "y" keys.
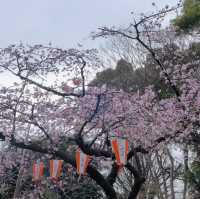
{"x": 119, "y": 147}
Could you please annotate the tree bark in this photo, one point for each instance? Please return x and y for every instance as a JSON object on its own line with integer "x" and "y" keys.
{"x": 195, "y": 189}
{"x": 19, "y": 178}
{"x": 171, "y": 174}
{"x": 185, "y": 154}
{"x": 138, "y": 181}
{"x": 136, "y": 188}
{"x": 163, "y": 175}
{"x": 21, "y": 170}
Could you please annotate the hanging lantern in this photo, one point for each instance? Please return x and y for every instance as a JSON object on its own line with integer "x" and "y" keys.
{"x": 38, "y": 170}
{"x": 120, "y": 149}
{"x": 82, "y": 161}
{"x": 55, "y": 168}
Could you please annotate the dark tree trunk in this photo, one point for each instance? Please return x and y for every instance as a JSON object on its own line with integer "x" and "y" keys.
{"x": 136, "y": 188}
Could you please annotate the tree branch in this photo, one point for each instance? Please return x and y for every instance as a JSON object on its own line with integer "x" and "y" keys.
{"x": 138, "y": 181}
{"x": 68, "y": 158}
{"x": 111, "y": 178}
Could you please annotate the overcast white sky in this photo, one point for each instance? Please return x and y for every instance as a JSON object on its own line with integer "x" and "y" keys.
{"x": 64, "y": 22}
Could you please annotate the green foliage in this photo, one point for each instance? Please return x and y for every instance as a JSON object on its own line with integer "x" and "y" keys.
{"x": 8, "y": 184}
{"x": 48, "y": 194}
{"x": 126, "y": 78}
{"x": 86, "y": 191}
{"x": 129, "y": 80}
{"x": 195, "y": 47}
{"x": 190, "y": 16}
{"x": 193, "y": 175}
{"x": 120, "y": 78}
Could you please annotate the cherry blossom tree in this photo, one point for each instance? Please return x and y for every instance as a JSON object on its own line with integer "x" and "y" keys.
{"x": 64, "y": 113}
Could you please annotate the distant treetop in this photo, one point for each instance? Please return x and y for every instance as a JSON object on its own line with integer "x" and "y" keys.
{"x": 190, "y": 17}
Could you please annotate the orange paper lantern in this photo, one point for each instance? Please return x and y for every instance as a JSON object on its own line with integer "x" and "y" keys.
{"x": 55, "y": 168}
{"x": 38, "y": 170}
{"x": 82, "y": 161}
{"x": 120, "y": 149}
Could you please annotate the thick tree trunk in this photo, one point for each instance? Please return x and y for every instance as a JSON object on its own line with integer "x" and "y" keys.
{"x": 195, "y": 190}
{"x": 19, "y": 178}
{"x": 185, "y": 153}
{"x": 171, "y": 174}
{"x": 156, "y": 180}
{"x": 107, "y": 188}
{"x": 21, "y": 170}
{"x": 136, "y": 188}
{"x": 163, "y": 176}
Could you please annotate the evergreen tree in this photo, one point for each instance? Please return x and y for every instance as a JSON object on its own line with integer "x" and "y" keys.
{"x": 190, "y": 17}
